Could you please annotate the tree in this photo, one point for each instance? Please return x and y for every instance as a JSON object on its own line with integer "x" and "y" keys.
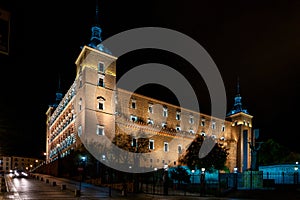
{"x": 129, "y": 143}
{"x": 180, "y": 174}
{"x": 273, "y": 152}
{"x": 215, "y": 159}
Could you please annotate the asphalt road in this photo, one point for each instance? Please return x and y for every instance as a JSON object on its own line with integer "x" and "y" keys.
{"x": 44, "y": 187}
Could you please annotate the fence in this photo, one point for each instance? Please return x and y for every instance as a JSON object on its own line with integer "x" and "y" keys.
{"x": 216, "y": 184}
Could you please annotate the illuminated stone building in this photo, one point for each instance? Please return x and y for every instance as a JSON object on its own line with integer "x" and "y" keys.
{"x": 8, "y": 163}
{"x": 94, "y": 106}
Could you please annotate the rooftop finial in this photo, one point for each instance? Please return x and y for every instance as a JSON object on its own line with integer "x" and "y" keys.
{"x": 237, "y": 107}
{"x": 97, "y": 12}
{"x": 238, "y": 85}
{"x": 58, "y": 82}
{"x": 95, "y": 41}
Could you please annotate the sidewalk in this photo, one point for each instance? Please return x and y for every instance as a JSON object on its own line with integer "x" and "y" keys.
{"x": 89, "y": 191}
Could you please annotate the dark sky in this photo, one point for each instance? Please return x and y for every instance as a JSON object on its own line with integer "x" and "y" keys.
{"x": 259, "y": 42}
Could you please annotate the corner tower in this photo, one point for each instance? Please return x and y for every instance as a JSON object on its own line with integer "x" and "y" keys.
{"x": 95, "y": 85}
{"x": 241, "y": 122}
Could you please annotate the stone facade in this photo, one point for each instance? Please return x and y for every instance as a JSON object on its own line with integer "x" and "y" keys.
{"x": 95, "y": 110}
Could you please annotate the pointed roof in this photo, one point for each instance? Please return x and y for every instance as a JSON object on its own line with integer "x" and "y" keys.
{"x": 58, "y": 95}
{"x": 237, "y": 107}
{"x": 95, "y": 40}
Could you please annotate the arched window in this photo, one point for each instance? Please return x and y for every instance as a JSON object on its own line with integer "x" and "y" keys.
{"x": 101, "y": 101}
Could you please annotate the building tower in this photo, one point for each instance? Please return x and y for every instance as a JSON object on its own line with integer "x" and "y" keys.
{"x": 241, "y": 122}
{"x": 94, "y": 103}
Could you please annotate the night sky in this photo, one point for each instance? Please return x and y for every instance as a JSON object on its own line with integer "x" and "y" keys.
{"x": 259, "y": 42}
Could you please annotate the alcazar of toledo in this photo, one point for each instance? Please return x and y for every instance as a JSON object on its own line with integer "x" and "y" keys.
{"x": 94, "y": 111}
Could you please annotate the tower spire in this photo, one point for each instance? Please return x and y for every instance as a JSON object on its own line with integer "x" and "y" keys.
{"x": 238, "y": 85}
{"x": 95, "y": 40}
{"x": 97, "y": 12}
{"x": 237, "y": 106}
{"x": 59, "y": 94}
{"x": 96, "y": 30}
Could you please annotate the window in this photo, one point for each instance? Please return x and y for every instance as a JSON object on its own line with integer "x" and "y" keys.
{"x": 100, "y": 130}
{"x": 79, "y": 131}
{"x": 101, "y": 67}
{"x": 179, "y": 149}
{"x": 134, "y": 142}
{"x": 101, "y": 101}
{"x": 178, "y": 115}
{"x": 203, "y": 134}
{"x": 178, "y": 128}
{"x": 100, "y": 80}
{"x": 80, "y": 104}
{"x": 150, "y": 108}
{"x": 133, "y": 118}
{"x": 223, "y": 127}
{"x": 100, "y": 106}
{"x": 150, "y": 121}
{"x": 191, "y": 131}
{"x": 151, "y": 144}
{"x": 191, "y": 120}
{"x": 80, "y": 81}
{"x": 203, "y": 122}
{"x": 164, "y": 125}
{"x": 133, "y": 103}
{"x": 166, "y": 147}
{"x": 165, "y": 111}
{"x": 213, "y": 125}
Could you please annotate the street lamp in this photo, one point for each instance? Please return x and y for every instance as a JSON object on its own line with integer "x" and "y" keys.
{"x": 203, "y": 170}
{"x": 202, "y": 181}
{"x": 193, "y": 171}
{"x": 153, "y": 186}
{"x": 235, "y": 170}
{"x": 58, "y": 160}
{"x": 82, "y": 161}
{"x": 296, "y": 174}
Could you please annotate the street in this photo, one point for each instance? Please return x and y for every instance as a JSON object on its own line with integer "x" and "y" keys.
{"x": 51, "y": 188}
{"x": 45, "y": 187}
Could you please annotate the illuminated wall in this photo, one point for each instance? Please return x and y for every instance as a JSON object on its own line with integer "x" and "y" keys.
{"x": 93, "y": 104}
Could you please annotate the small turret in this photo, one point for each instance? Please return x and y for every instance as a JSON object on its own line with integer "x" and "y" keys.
{"x": 237, "y": 106}
{"x": 58, "y": 96}
{"x": 95, "y": 41}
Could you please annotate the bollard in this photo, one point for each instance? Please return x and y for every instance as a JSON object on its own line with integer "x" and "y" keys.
{"x": 77, "y": 193}
{"x": 3, "y": 185}
{"x": 63, "y": 187}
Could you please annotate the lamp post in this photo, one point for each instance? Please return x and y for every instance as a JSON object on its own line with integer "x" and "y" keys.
{"x": 193, "y": 171}
{"x": 58, "y": 160}
{"x": 166, "y": 179}
{"x": 235, "y": 170}
{"x": 202, "y": 182}
{"x": 153, "y": 186}
{"x": 296, "y": 173}
{"x": 83, "y": 160}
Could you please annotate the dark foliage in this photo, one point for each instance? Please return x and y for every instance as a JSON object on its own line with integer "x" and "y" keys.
{"x": 216, "y": 158}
